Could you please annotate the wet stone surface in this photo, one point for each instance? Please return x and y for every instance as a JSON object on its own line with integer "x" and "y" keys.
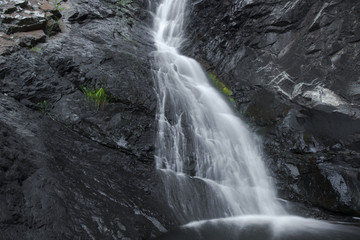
{"x": 27, "y": 22}
{"x": 70, "y": 169}
{"x": 293, "y": 68}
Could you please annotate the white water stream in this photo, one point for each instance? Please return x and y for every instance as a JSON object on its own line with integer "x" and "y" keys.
{"x": 210, "y": 161}
{"x": 200, "y": 136}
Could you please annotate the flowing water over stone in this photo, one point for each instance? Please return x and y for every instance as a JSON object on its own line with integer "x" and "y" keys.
{"x": 200, "y": 136}
{"x": 210, "y": 162}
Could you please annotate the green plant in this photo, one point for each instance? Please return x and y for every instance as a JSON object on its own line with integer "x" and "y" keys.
{"x": 54, "y": 22}
{"x": 36, "y": 49}
{"x": 98, "y": 95}
{"x": 57, "y": 5}
{"x": 43, "y": 107}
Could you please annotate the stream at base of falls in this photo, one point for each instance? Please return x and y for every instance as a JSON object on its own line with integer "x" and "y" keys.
{"x": 262, "y": 227}
{"x": 211, "y": 163}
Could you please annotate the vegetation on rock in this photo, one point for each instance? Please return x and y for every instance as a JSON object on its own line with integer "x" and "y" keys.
{"x": 43, "y": 107}
{"x": 222, "y": 87}
{"x": 98, "y": 95}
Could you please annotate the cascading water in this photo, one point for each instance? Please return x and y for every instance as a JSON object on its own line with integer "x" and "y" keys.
{"x": 200, "y": 136}
{"x": 210, "y": 161}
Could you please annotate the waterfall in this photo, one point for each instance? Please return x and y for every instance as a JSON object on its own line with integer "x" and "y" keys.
{"x": 210, "y": 161}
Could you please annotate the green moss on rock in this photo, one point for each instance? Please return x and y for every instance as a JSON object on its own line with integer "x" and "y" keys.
{"x": 220, "y": 85}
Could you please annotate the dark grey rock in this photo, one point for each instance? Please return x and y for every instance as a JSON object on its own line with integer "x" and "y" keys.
{"x": 24, "y": 23}
{"x": 300, "y": 62}
{"x": 69, "y": 170}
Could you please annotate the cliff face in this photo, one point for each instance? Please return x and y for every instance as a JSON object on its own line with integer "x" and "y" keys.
{"x": 70, "y": 169}
{"x": 293, "y": 68}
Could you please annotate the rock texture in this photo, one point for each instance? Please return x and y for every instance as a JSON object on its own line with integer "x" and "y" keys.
{"x": 68, "y": 170}
{"x": 25, "y": 23}
{"x": 71, "y": 171}
{"x": 293, "y": 68}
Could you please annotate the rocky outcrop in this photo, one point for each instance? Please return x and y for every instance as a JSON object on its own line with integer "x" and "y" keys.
{"x": 293, "y": 69}
{"x": 69, "y": 169}
{"x": 25, "y": 23}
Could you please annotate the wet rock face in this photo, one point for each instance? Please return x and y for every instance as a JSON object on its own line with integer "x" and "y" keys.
{"x": 57, "y": 184}
{"x": 69, "y": 169}
{"x": 25, "y": 23}
{"x": 293, "y": 68}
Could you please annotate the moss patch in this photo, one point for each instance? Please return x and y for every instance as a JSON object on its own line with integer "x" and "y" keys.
{"x": 222, "y": 87}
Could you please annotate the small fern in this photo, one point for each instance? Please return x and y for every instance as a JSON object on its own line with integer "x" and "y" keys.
{"x": 43, "y": 107}
{"x": 98, "y": 95}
